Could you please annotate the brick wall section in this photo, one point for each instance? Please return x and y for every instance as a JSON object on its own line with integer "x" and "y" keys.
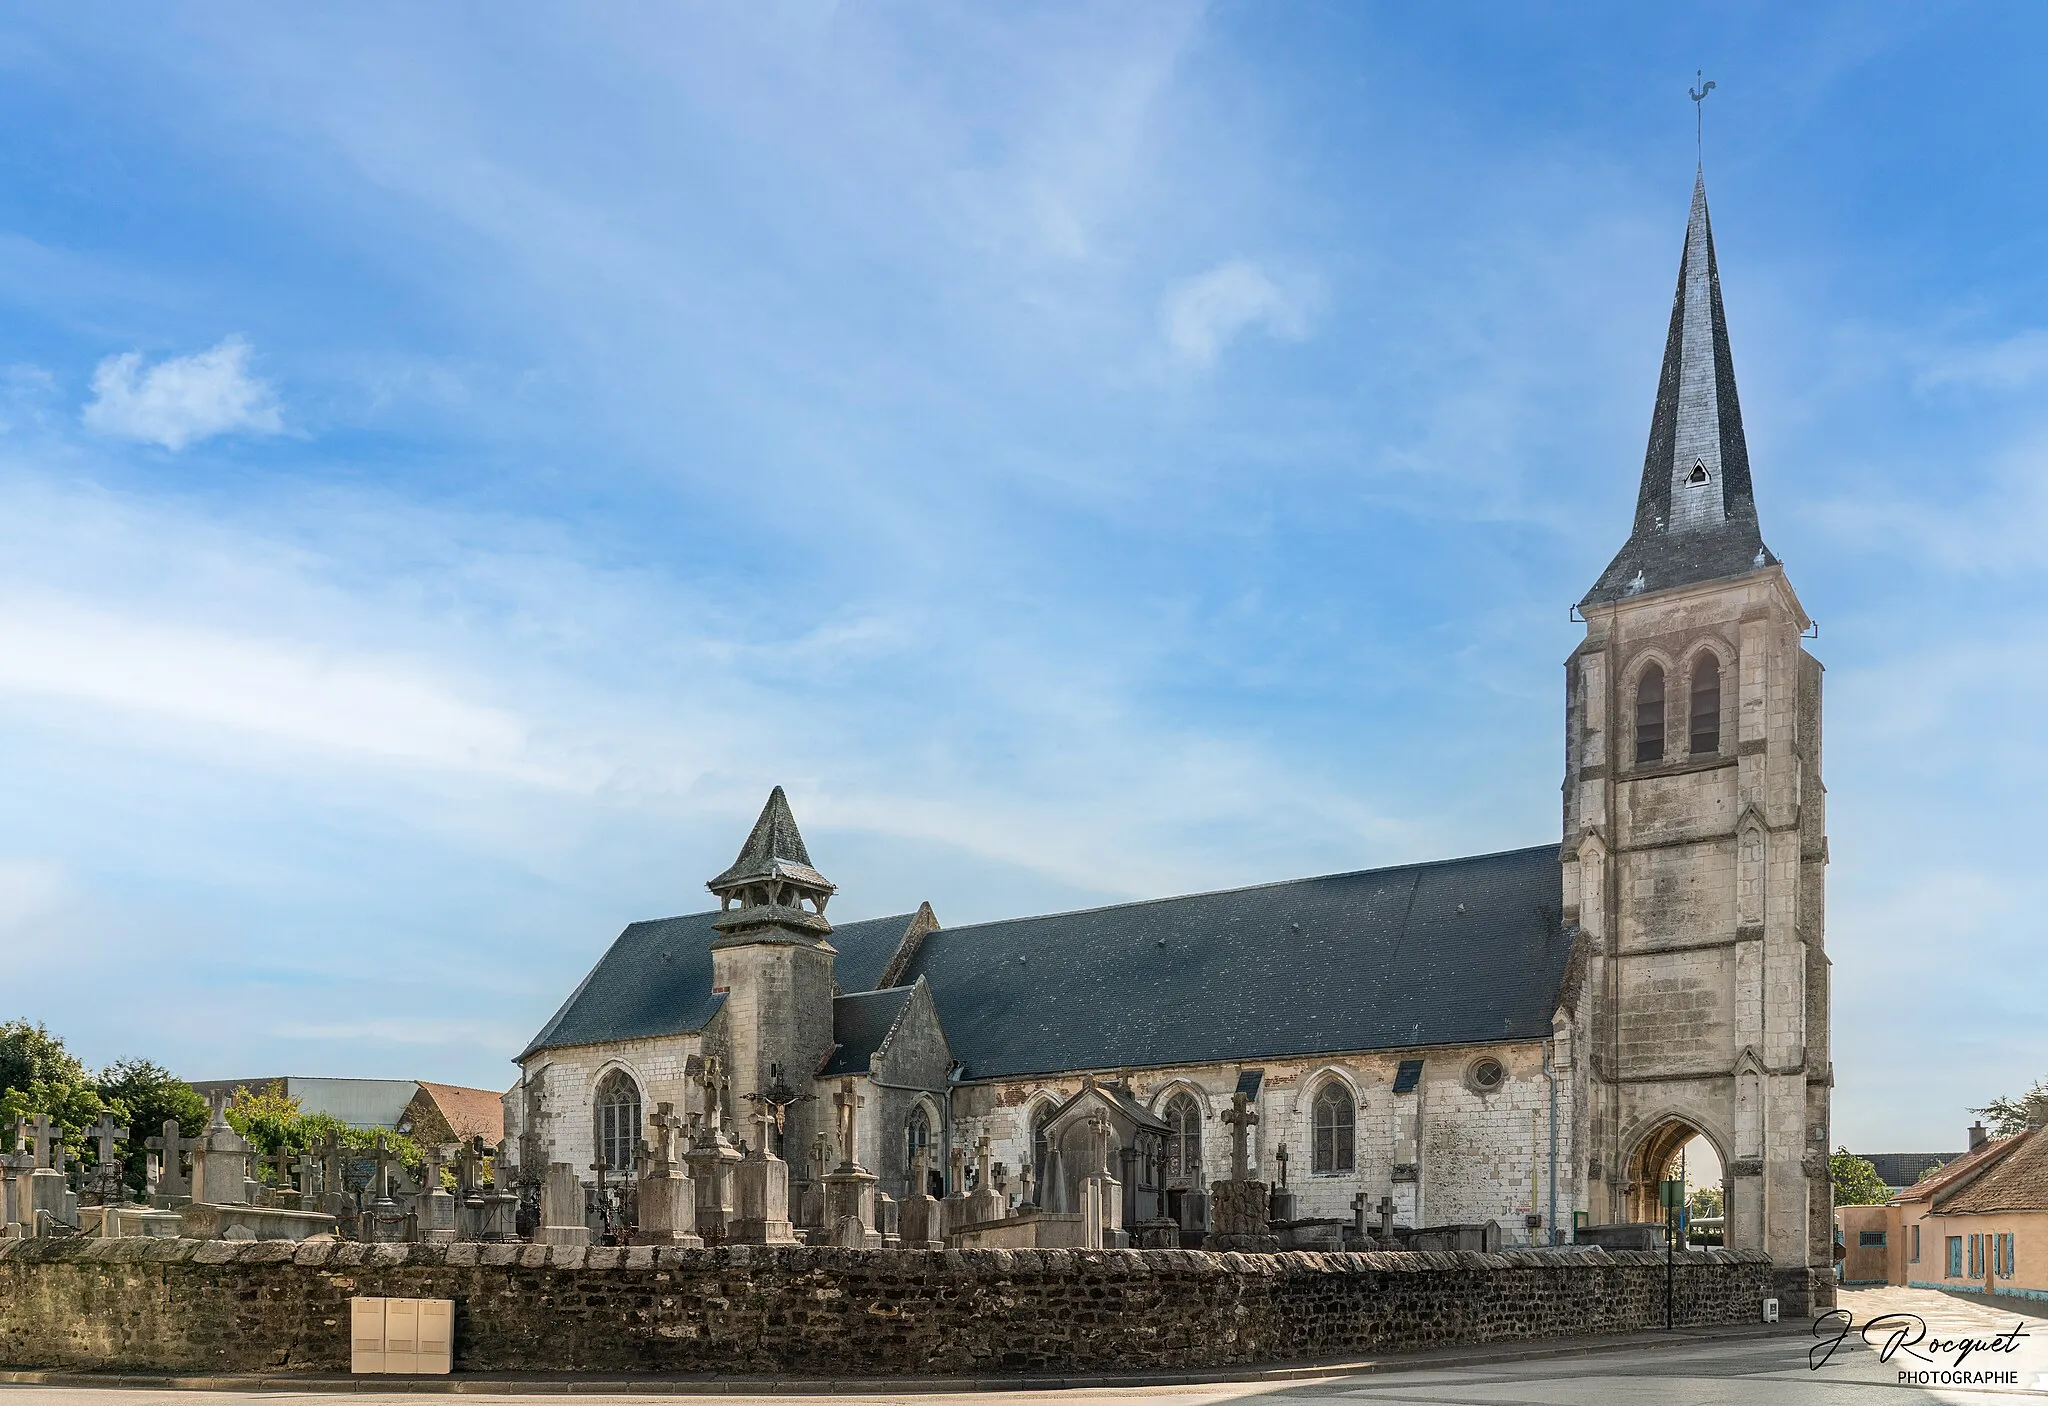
{"x": 225, "y": 1307}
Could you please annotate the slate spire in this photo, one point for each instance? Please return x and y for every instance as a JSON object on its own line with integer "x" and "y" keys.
{"x": 772, "y": 880}
{"x": 1695, "y": 512}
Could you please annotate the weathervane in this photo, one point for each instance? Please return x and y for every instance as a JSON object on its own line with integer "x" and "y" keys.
{"x": 1699, "y": 97}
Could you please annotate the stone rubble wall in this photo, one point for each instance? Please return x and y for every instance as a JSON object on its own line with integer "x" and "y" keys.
{"x": 221, "y": 1306}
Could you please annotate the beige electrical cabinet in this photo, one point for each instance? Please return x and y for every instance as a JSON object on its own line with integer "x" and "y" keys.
{"x": 402, "y": 1335}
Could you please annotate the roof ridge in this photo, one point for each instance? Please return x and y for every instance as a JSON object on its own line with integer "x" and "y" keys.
{"x": 1251, "y": 888}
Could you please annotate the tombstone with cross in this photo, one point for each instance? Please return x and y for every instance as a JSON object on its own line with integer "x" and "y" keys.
{"x": 1242, "y": 1118}
{"x": 1386, "y": 1222}
{"x": 173, "y": 1186}
{"x": 108, "y": 1185}
{"x": 760, "y": 1189}
{"x": 433, "y": 1208}
{"x": 220, "y": 1162}
{"x": 307, "y": 1170}
{"x": 668, "y": 1197}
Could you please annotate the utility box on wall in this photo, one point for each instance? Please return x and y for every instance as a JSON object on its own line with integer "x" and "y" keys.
{"x": 402, "y": 1335}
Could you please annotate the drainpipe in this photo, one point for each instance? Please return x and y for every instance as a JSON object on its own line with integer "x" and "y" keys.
{"x": 1550, "y": 1076}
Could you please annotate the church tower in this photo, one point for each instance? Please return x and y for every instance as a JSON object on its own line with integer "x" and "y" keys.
{"x": 772, "y": 959}
{"x": 1694, "y": 831}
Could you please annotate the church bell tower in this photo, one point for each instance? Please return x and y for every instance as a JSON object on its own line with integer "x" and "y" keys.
{"x": 772, "y": 959}
{"x": 1694, "y": 830}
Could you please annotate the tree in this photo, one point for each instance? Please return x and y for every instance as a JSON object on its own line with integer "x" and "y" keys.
{"x": 1929, "y": 1171}
{"x": 145, "y": 1096}
{"x": 2011, "y": 1116}
{"x": 1856, "y": 1181}
{"x": 1704, "y": 1201}
{"x": 38, "y": 1075}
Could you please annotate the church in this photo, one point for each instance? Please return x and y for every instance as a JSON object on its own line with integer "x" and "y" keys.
{"x": 1525, "y": 1039}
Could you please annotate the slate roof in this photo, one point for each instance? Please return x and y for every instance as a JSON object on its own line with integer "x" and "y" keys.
{"x": 1686, "y": 533}
{"x": 862, "y": 1022}
{"x": 1899, "y": 1170}
{"x": 655, "y": 979}
{"x": 2019, "y": 1181}
{"x": 1457, "y": 951}
{"x": 774, "y": 849}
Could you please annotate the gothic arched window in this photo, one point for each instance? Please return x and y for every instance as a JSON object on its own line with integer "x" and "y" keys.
{"x": 1706, "y": 703}
{"x": 618, "y": 1120}
{"x": 1650, "y": 715}
{"x": 917, "y": 1137}
{"x": 1041, "y": 1145}
{"x": 1183, "y": 1141}
{"x": 1336, "y": 1128}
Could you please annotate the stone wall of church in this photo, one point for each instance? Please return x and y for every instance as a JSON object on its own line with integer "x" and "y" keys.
{"x": 555, "y": 1104}
{"x": 1480, "y": 1155}
{"x": 223, "y": 1306}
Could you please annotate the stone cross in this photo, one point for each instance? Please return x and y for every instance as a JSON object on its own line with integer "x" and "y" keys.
{"x": 170, "y": 1180}
{"x": 818, "y": 1145}
{"x": 49, "y": 1140}
{"x": 330, "y": 1171}
{"x": 764, "y": 1114}
{"x": 1026, "y": 1183}
{"x": 19, "y": 1133}
{"x": 981, "y": 1172}
{"x": 958, "y": 1159}
{"x": 437, "y": 1158}
{"x": 1280, "y": 1156}
{"x": 920, "y": 1171}
{"x": 282, "y": 1161}
{"x": 467, "y": 1166}
{"x": 306, "y": 1166}
{"x": 849, "y": 1103}
{"x": 1359, "y": 1205}
{"x": 105, "y": 1134}
{"x": 1242, "y": 1117}
{"x": 380, "y": 1187}
{"x": 666, "y": 1128}
{"x": 714, "y": 1072}
{"x": 1386, "y": 1220}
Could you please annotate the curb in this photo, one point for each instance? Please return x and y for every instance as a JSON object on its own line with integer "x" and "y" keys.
{"x": 561, "y": 1384}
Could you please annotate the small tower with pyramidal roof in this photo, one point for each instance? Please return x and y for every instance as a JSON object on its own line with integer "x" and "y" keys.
{"x": 1695, "y": 838}
{"x": 772, "y": 959}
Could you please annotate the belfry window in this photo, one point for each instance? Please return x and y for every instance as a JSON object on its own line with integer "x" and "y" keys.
{"x": 1706, "y": 704}
{"x": 618, "y": 1120}
{"x": 1650, "y": 715}
{"x": 1183, "y": 1141}
{"x": 1336, "y": 1129}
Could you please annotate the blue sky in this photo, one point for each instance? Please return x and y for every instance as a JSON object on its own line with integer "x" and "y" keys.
{"x": 453, "y": 461}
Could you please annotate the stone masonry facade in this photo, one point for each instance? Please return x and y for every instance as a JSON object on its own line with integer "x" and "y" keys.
{"x": 187, "y": 1306}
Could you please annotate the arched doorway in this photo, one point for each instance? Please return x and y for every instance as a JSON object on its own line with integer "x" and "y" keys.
{"x": 1676, "y": 1150}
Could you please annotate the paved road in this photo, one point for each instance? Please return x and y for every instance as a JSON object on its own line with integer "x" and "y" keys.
{"x": 1742, "y": 1372}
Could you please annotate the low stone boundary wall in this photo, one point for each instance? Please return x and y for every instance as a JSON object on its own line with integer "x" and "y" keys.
{"x": 226, "y": 1306}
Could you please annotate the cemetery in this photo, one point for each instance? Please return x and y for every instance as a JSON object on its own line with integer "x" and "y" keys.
{"x": 698, "y": 1258}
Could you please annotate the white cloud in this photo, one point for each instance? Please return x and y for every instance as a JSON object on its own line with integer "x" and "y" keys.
{"x": 287, "y": 692}
{"x": 1204, "y": 314}
{"x": 181, "y": 400}
{"x": 2015, "y": 362}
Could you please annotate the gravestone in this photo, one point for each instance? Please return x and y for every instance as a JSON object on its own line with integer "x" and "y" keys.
{"x": 562, "y": 1208}
{"x": 383, "y": 1221}
{"x": 850, "y": 1188}
{"x": 49, "y": 1191}
{"x": 919, "y": 1217}
{"x": 173, "y": 1185}
{"x": 220, "y": 1161}
{"x": 668, "y": 1196}
{"x": 1239, "y": 1209}
{"x": 433, "y": 1208}
{"x": 953, "y": 1210}
{"x": 760, "y": 1190}
{"x": 107, "y": 1186}
{"x": 987, "y": 1203}
{"x": 712, "y": 1156}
